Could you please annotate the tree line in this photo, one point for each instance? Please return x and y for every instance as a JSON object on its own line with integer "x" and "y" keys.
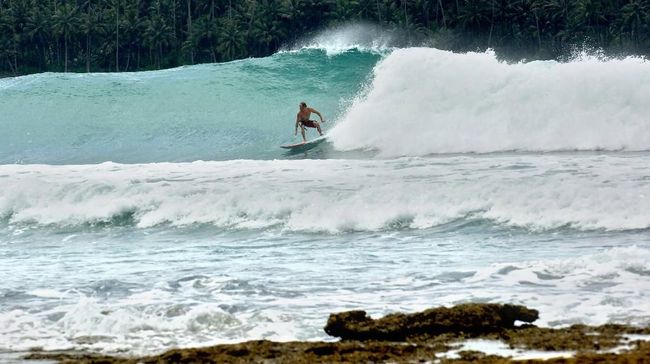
{"x": 127, "y": 35}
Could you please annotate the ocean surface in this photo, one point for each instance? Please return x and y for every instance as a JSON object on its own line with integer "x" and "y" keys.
{"x": 146, "y": 211}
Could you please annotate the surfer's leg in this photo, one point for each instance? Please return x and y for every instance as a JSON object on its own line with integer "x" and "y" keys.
{"x": 318, "y": 128}
{"x": 302, "y": 131}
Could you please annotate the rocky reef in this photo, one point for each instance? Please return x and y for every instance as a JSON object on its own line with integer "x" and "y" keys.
{"x": 471, "y": 319}
{"x": 426, "y": 336}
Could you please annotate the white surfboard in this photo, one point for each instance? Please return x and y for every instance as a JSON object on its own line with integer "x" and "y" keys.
{"x": 304, "y": 145}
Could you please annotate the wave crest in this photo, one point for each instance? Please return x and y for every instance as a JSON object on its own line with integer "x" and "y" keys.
{"x": 590, "y": 192}
{"x": 361, "y": 36}
{"x": 424, "y": 101}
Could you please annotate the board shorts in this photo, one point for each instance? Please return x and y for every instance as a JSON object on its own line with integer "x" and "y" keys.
{"x": 308, "y": 123}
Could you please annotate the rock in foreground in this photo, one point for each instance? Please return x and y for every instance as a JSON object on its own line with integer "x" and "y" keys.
{"x": 472, "y": 319}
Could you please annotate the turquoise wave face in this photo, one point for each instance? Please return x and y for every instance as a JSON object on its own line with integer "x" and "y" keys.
{"x": 237, "y": 110}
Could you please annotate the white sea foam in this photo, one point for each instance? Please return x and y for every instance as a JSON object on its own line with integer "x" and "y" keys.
{"x": 535, "y": 192}
{"x": 291, "y": 296}
{"x": 424, "y": 101}
{"x": 143, "y": 323}
{"x": 360, "y": 36}
{"x": 592, "y": 289}
{"x": 495, "y": 347}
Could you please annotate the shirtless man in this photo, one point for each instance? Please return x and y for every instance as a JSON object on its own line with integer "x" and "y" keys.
{"x": 302, "y": 120}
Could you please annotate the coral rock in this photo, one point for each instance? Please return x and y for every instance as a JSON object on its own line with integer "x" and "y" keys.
{"x": 472, "y": 319}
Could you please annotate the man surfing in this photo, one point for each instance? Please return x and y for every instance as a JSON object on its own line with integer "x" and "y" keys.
{"x": 302, "y": 120}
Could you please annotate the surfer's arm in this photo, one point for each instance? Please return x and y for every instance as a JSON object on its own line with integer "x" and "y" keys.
{"x": 295, "y": 132}
{"x": 317, "y": 113}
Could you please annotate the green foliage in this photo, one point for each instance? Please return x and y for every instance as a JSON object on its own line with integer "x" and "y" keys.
{"x": 105, "y": 35}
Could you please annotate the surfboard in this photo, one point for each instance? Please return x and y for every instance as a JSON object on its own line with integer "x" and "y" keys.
{"x": 304, "y": 145}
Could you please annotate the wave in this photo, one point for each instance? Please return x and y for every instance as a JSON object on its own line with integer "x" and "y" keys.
{"x": 425, "y": 101}
{"x": 240, "y": 109}
{"x": 590, "y": 192}
{"x": 376, "y": 96}
{"x": 359, "y": 36}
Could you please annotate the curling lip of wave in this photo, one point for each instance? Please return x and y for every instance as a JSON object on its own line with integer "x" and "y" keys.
{"x": 427, "y": 101}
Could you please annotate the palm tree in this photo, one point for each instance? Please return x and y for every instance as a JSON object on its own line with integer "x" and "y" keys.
{"x": 7, "y": 40}
{"x": 231, "y": 40}
{"x": 157, "y": 34}
{"x": 587, "y": 18}
{"x": 344, "y": 10}
{"x": 16, "y": 20}
{"x": 92, "y": 24}
{"x": 474, "y": 15}
{"x": 189, "y": 29}
{"x": 634, "y": 17}
{"x": 65, "y": 23}
{"x": 367, "y": 9}
{"x": 292, "y": 13}
{"x": 133, "y": 26}
{"x": 428, "y": 8}
{"x": 204, "y": 36}
{"x": 38, "y": 29}
{"x": 537, "y": 11}
{"x": 115, "y": 9}
{"x": 557, "y": 11}
{"x": 268, "y": 31}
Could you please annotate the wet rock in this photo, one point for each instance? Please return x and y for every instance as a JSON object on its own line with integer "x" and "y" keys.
{"x": 472, "y": 319}
{"x": 267, "y": 352}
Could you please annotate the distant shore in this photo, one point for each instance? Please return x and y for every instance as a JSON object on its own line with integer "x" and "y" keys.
{"x": 441, "y": 334}
{"x": 103, "y": 36}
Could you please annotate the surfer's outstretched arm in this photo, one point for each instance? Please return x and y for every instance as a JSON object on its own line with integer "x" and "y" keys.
{"x": 317, "y": 113}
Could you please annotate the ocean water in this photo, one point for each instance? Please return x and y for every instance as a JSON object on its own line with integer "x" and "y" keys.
{"x": 146, "y": 211}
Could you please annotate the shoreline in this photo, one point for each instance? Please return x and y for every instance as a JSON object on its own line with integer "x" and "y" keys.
{"x": 482, "y": 333}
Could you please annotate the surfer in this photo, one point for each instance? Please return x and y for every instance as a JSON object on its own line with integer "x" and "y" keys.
{"x": 302, "y": 120}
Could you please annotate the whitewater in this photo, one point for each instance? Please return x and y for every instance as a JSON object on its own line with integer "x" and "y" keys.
{"x": 151, "y": 210}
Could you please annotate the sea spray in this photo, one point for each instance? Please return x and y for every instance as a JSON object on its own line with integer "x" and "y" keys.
{"x": 359, "y": 36}
{"x": 423, "y": 101}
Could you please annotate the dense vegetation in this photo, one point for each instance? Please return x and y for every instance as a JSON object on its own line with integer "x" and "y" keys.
{"x": 125, "y": 35}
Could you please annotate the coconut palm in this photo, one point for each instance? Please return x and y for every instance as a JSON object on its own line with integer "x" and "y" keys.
{"x": 132, "y": 27}
{"x": 7, "y": 41}
{"x": 38, "y": 29}
{"x": 157, "y": 34}
{"x": 344, "y": 11}
{"x": 15, "y": 23}
{"x": 474, "y": 15}
{"x": 634, "y": 16}
{"x": 588, "y": 18}
{"x": 269, "y": 31}
{"x": 231, "y": 40}
{"x": 291, "y": 12}
{"x": 428, "y": 11}
{"x": 65, "y": 23}
{"x": 93, "y": 24}
{"x": 204, "y": 36}
{"x": 557, "y": 12}
{"x": 114, "y": 8}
